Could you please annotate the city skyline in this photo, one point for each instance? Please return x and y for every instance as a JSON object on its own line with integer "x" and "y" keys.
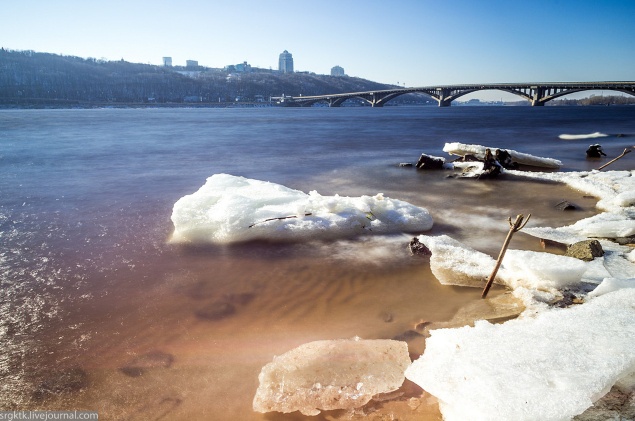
{"x": 408, "y": 42}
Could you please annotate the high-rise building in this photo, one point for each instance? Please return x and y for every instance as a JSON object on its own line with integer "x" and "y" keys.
{"x": 167, "y": 61}
{"x": 191, "y": 64}
{"x": 285, "y": 62}
{"x": 337, "y": 71}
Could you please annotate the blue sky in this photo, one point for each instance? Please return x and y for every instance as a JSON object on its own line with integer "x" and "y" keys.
{"x": 411, "y": 42}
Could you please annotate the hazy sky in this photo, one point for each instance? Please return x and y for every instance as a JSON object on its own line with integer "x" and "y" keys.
{"x": 411, "y": 42}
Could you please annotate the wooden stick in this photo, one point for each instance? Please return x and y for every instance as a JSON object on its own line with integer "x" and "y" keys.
{"x": 515, "y": 227}
{"x": 613, "y": 160}
{"x": 277, "y": 219}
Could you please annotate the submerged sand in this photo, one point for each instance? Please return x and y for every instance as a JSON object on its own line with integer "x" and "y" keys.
{"x": 188, "y": 339}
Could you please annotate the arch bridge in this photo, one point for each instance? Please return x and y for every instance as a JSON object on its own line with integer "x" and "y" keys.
{"x": 536, "y": 93}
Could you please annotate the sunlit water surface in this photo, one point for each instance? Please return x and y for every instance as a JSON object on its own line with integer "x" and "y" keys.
{"x": 99, "y": 312}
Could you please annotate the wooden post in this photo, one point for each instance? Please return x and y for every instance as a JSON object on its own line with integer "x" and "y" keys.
{"x": 613, "y": 160}
{"x": 515, "y": 227}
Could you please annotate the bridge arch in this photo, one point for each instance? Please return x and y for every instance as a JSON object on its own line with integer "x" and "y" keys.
{"x": 536, "y": 93}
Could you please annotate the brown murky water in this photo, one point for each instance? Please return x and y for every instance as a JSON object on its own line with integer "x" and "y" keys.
{"x": 188, "y": 338}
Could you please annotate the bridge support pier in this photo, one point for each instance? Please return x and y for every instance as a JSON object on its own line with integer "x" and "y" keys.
{"x": 538, "y": 94}
{"x": 444, "y": 94}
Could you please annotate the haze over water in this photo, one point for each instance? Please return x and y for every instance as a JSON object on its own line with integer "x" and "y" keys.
{"x": 89, "y": 281}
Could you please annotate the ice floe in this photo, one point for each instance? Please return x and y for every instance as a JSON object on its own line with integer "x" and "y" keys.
{"x": 234, "y": 209}
{"x": 549, "y": 367}
{"x": 331, "y": 374}
{"x": 595, "y": 135}
{"x": 454, "y": 263}
{"x": 461, "y": 149}
{"x": 551, "y": 363}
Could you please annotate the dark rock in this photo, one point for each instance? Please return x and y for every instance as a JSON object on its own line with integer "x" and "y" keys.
{"x": 61, "y": 382}
{"x": 505, "y": 159}
{"x": 154, "y": 359}
{"x": 429, "y": 162}
{"x": 585, "y": 250}
{"x": 407, "y": 336}
{"x": 216, "y": 311}
{"x": 417, "y": 247}
{"x": 469, "y": 158}
{"x": 595, "y": 151}
{"x": 491, "y": 167}
{"x": 568, "y": 299}
{"x": 565, "y": 205}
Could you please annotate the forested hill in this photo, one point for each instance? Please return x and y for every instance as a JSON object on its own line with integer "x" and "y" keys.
{"x": 29, "y": 78}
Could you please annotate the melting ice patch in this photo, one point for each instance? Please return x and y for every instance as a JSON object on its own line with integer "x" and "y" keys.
{"x": 335, "y": 374}
{"x": 233, "y": 209}
{"x": 550, "y": 367}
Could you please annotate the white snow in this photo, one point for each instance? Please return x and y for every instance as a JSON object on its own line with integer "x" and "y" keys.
{"x": 550, "y": 367}
{"x": 233, "y": 209}
{"x": 541, "y": 271}
{"x": 461, "y": 149}
{"x": 612, "y": 284}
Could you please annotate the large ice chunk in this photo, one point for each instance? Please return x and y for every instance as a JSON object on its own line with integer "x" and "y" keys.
{"x": 454, "y": 263}
{"x": 537, "y": 270}
{"x": 335, "y": 374}
{"x": 231, "y": 209}
{"x": 550, "y": 367}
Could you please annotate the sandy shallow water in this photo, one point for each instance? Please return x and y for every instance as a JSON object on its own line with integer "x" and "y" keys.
{"x": 204, "y": 320}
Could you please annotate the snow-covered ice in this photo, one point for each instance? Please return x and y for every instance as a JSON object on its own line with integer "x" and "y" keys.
{"x": 541, "y": 271}
{"x": 331, "y": 374}
{"x": 233, "y": 209}
{"x": 612, "y": 284}
{"x": 549, "y": 367}
{"x": 454, "y": 263}
{"x": 461, "y": 149}
{"x": 614, "y": 189}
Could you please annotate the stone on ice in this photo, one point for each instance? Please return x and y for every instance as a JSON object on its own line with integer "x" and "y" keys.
{"x": 549, "y": 367}
{"x": 335, "y": 374}
{"x": 585, "y": 250}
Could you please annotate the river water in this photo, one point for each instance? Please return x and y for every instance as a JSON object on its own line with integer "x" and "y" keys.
{"x": 99, "y": 312}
